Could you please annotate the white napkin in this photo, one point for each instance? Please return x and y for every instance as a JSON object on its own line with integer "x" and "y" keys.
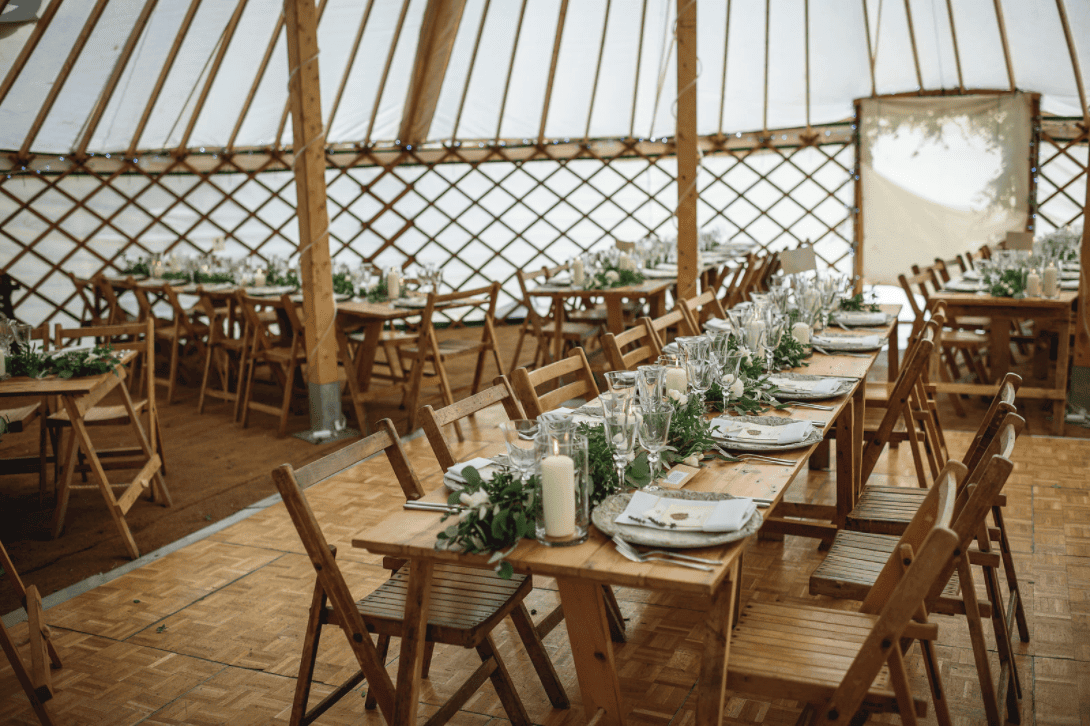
{"x": 670, "y": 348}
{"x": 717, "y": 324}
{"x": 667, "y": 267}
{"x": 478, "y": 463}
{"x": 848, "y": 341}
{"x": 563, "y": 278}
{"x": 732, "y": 429}
{"x": 820, "y": 387}
{"x": 718, "y": 516}
{"x": 862, "y": 318}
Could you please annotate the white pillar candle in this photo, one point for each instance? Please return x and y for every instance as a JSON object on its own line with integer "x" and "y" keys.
{"x": 393, "y": 284}
{"x": 3, "y": 365}
{"x": 259, "y": 278}
{"x": 1051, "y": 282}
{"x": 558, "y": 495}
{"x": 578, "y": 273}
{"x": 1033, "y": 284}
{"x": 676, "y": 380}
{"x": 801, "y": 332}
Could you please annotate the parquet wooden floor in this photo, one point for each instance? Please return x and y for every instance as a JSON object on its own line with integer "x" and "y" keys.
{"x": 211, "y": 633}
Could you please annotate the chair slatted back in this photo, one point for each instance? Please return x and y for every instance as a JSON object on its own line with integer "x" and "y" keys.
{"x": 433, "y": 421}
{"x": 660, "y": 328}
{"x": 257, "y": 334}
{"x": 944, "y": 268}
{"x": 290, "y": 483}
{"x": 639, "y": 339}
{"x": 430, "y": 343}
{"x": 536, "y": 319}
{"x": 701, "y": 307}
{"x": 108, "y": 292}
{"x": 1001, "y": 405}
{"x": 89, "y": 298}
{"x": 183, "y": 324}
{"x": 526, "y": 384}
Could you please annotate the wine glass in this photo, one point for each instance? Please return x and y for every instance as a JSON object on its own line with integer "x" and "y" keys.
{"x": 22, "y": 334}
{"x": 7, "y": 336}
{"x": 653, "y": 429}
{"x": 700, "y": 369}
{"x": 620, "y": 424}
{"x": 520, "y": 435}
{"x": 649, "y": 382}
{"x": 729, "y": 364}
{"x": 622, "y": 382}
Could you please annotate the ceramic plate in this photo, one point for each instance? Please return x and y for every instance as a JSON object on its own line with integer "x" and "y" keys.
{"x": 856, "y": 318}
{"x": 845, "y": 343}
{"x": 604, "y": 515}
{"x": 846, "y": 385}
{"x": 269, "y": 290}
{"x": 814, "y": 437}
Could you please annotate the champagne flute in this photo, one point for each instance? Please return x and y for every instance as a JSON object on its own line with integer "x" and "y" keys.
{"x": 653, "y": 429}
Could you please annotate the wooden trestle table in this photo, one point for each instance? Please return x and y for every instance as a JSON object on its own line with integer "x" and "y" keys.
{"x": 78, "y": 395}
{"x": 580, "y": 570}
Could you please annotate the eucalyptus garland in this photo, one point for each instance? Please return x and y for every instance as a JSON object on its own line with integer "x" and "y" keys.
{"x": 856, "y": 304}
{"x": 285, "y": 277}
{"x": 212, "y": 278}
{"x": 139, "y": 267}
{"x": 33, "y": 362}
{"x": 342, "y": 284}
{"x": 789, "y": 354}
{"x": 757, "y": 394}
{"x": 614, "y": 277}
{"x": 179, "y": 275}
{"x": 1010, "y": 284}
{"x": 495, "y": 515}
{"x": 690, "y": 436}
{"x": 603, "y": 473}
{"x": 380, "y": 293}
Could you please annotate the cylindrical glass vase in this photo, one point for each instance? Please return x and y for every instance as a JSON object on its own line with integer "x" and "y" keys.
{"x": 563, "y": 488}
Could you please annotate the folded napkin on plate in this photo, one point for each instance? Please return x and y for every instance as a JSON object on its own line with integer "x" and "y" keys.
{"x": 409, "y": 302}
{"x": 560, "y": 279}
{"x": 862, "y": 318}
{"x": 478, "y": 463}
{"x": 667, "y": 267}
{"x": 671, "y": 348}
{"x": 717, "y": 324}
{"x": 731, "y": 429}
{"x": 853, "y": 341}
{"x": 822, "y": 386}
{"x": 671, "y": 513}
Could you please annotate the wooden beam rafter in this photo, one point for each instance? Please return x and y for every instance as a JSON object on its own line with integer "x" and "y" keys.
{"x": 111, "y": 83}
{"x": 954, "y": 39}
{"x": 442, "y": 18}
{"x": 1003, "y": 37}
{"x": 552, "y": 69}
{"x": 1076, "y": 67}
{"x": 636, "y": 76}
{"x": 62, "y": 76}
{"x": 597, "y": 69}
{"x": 870, "y": 49}
{"x": 768, "y": 33}
{"x": 258, "y": 78}
{"x": 912, "y": 40}
{"x": 31, "y": 43}
{"x": 386, "y": 69}
{"x": 510, "y": 70}
{"x": 349, "y": 64}
{"x": 469, "y": 71}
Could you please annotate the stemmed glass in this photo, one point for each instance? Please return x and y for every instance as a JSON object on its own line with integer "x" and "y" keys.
{"x": 22, "y": 333}
{"x": 620, "y": 423}
{"x": 653, "y": 429}
{"x": 729, "y": 364}
{"x": 622, "y": 382}
{"x": 7, "y": 336}
{"x": 700, "y": 368}
{"x": 649, "y": 383}
{"x": 520, "y": 435}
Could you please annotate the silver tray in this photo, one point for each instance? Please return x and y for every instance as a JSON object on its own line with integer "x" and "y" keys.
{"x": 815, "y": 436}
{"x": 845, "y": 386}
{"x": 604, "y": 515}
{"x": 844, "y": 343}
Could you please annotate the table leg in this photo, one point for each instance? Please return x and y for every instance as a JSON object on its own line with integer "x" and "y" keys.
{"x": 657, "y": 304}
{"x": 350, "y": 373}
{"x": 1000, "y": 347}
{"x": 894, "y": 351}
{"x": 859, "y": 412}
{"x": 718, "y": 623}
{"x": 63, "y": 491}
{"x": 558, "y": 335}
{"x": 615, "y": 314}
{"x": 365, "y": 358}
{"x": 845, "y": 460}
{"x": 592, "y": 649}
{"x": 1063, "y": 350}
{"x": 413, "y": 633}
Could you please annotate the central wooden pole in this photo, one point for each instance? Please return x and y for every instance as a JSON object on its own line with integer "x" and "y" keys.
{"x": 301, "y": 25}
{"x": 688, "y": 158}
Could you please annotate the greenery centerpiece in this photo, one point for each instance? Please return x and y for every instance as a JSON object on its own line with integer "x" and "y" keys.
{"x": 1062, "y": 244}
{"x": 752, "y": 392}
{"x": 613, "y": 276}
{"x": 1009, "y": 283}
{"x": 856, "y": 304}
{"x": 342, "y": 284}
{"x": 139, "y": 266}
{"x": 33, "y": 362}
{"x": 380, "y": 293}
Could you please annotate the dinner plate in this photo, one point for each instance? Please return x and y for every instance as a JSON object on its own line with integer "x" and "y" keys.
{"x": 814, "y": 437}
{"x": 845, "y": 343}
{"x": 863, "y": 319}
{"x": 269, "y": 290}
{"x": 845, "y": 386}
{"x": 409, "y": 302}
{"x": 604, "y": 515}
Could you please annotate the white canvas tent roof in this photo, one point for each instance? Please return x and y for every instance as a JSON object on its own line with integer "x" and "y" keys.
{"x": 227, "y": 85}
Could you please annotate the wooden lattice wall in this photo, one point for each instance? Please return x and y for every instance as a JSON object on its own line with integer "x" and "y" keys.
{"x": 481, "y": 210}
{"x": 1062, "y": 174}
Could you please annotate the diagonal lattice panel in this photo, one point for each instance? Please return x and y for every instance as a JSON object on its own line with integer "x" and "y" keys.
{"x": 481, "y": 217}
{"x": 1061, "y": 181}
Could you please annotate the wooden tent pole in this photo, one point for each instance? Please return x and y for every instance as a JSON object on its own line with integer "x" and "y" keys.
{"x": 723, "y": 80}
{"x": 1075, "y": 65}
{"x": 768, "y": 34}
{"x": 687, "y": 152}
{"x": 31, "y": 43}
{"x": 301, "y": 27}
{"x": 213, "y": 72}
{"x": 511, "y": 68}
{"x": 62, "y": 76}
{"x": 287, "y": 102}
{"x": 954, "y": 38}
{"x": 437, "y": 35}
{"x": 172, "y": 55}
{"x": 857, "y": 262}
{"x": 349, "y": 63}
{"x": 912, "y": 39}
{"x": 386, "y": 70}
{"x": 115, "y": 76}
{"x": 1003, "y": 37}
{"x": 257, "y": 82}
{"x": 552, "y": 68}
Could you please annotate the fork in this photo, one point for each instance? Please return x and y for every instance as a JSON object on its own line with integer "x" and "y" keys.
{"x": 807, "y": 405}
{"x": 629, "y": 552}
{"x": 666, "y": 553}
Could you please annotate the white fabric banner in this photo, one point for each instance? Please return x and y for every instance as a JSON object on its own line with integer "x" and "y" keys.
{"x": 941, "y": 175}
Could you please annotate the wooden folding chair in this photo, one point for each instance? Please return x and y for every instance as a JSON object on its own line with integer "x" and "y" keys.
{"x": 700, "y": 308}
{"x": 640, "y": 342}
{"x": 20, "y": 418}
{"x": 429, "y": 349}
{"x": 669, "y": 326}
{"x": 832, "y": 659}
{"x": 573, "y": 333}
{"x": 108, "y": 292}
{"x": 458, "y": 614}
{"x": 92, "y": 313}
{"x": 37, "y": 681}
{"x": 224, "y": 350}
{"x": 853, "y": 566}
{"x": 283, "y": 359}
{"x": 528, "y": 383}
{"x": 185, "y": 333}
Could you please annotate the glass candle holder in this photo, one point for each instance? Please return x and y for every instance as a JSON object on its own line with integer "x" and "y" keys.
{"x": 562, "y": 488}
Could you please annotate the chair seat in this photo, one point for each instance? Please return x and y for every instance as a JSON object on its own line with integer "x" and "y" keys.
{"x": 853, "y": 563}
{"x": 111, "y": 414}
{"x": 572, "y": 330}
{"x": 201, "y": 330}
{"x": 807, "y": 650}
{"x": 963, "y": 339}
{"x": 19, "y": 417}
{"x": 447, "y": 349}
{"x": 971, "y": 322}
{"x": 885, "y": 509}
{"x": 466, "y": 603}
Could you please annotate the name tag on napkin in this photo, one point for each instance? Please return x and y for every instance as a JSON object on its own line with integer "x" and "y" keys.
{"x": 670, "y": 513}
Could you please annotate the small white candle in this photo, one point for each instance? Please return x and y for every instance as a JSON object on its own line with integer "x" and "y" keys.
{"x": 753, "y": 334}
{"x": 1051, "y": 281}
{"x": 259, "y": 278}
{"x": 393, "y": 284}
{"x": 558, "y": 495}
{"x": 3, "y": 365}
{"x": 676, "y": 380}
{"x": 1033, "y": 284}
{"x": 578, "y": 273}
{"x": 801, "y": 332}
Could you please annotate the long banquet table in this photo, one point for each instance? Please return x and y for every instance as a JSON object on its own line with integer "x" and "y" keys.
{"x": 580, "y": 570}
